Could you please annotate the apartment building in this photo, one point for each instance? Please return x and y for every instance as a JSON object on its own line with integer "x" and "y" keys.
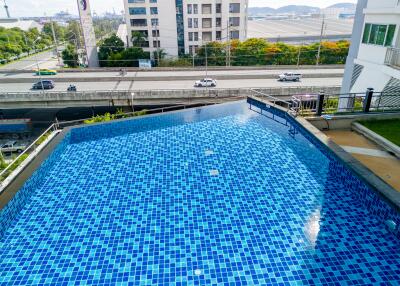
{"x": 181, "y": 26}
{"x": 374, "y": 57}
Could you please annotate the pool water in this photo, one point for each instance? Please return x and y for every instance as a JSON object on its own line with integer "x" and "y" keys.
{"x": 220, "y": 195}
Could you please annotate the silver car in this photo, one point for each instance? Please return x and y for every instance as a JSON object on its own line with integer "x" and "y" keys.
{"x": 206, "y": 82}
{"x": 290, "y": 76}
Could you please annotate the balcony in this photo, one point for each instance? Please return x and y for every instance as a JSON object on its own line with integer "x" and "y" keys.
{"x": 393, "y": 57}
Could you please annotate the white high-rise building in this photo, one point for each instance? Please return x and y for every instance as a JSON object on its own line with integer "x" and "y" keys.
{"x": 181, "y": 26}
{"x": 374, "y": 57}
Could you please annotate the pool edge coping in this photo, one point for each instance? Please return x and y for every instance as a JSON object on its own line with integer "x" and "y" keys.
{"x": 384, "y": 190}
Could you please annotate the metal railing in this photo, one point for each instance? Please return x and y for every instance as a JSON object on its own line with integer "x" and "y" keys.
{"x": 24, "y": 154}
{"x": 392, "y": 57}
{"x": 274, "y": 100}
{"x": 370, "y": 101}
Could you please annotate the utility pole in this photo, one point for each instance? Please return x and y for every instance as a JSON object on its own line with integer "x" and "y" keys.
{"x": 320, "y": 39}
{"x": 55, "y": 41}
{"x": 26, "y": 42}
{"x": 7, "y": 12}
{"x": 157, "y": 44}
{"x": 228, "y": 52}
{"x": 205, "y": 49}
{"x": 37, "y": 62}
{"x": 301, "y": 47}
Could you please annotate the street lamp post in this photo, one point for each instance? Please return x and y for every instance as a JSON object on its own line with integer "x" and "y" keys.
{"x": 205, "y": 51}
{"x": 37, "y": 62}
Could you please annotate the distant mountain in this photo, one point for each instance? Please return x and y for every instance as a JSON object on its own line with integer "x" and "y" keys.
{"x": 261, "y": 10}
{"x": 349, "y": 6}
{"x": 297, "y": 9}
{"x": 290, "y": 9}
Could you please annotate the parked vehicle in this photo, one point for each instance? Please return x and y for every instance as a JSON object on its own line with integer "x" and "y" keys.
{"x": 15, "y": 126}
{"x": 206, "y": 82}
{"x": 12, "y": 146}
{"x": 290, "y": 76}
{"x": 44, "y": 84}
{"x": 71, "y": 88}
{"x": 46, "y": 72}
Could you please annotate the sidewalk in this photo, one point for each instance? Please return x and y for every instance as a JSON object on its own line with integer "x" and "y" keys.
{"x": 383, "y": 164}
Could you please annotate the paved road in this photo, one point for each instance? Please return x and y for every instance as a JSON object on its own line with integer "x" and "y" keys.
{"x": 182, "y": 84}
{"x": 47, "y": 60}
{"x": 160, "y": 74}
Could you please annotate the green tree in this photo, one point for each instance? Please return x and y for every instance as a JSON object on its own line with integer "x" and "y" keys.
{"x": 216, "y": 54}
{"x": 70, "y": 56}
{"x": 139, "y": 39}
{"x": 58, "y": 30}
{"x": 249, "y": 52}
{"x": 130, "y": 57}
{"x": 73, "y": 34}
{"x": 14, "y": 42}
{"x": 109, "y": 46}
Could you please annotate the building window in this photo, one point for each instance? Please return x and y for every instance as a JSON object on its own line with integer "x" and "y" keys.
{"x": 207, "y": 23}
{"x": 193, "y": 49}
{"x": 234, "y": 8}
{"x": 137, "y": 11}
{"x": 207, "y": 36}
{"x": 195, "y": 9}
{"x": 190, "y": 23}
{"x": 206, "y": 9}
{"x": 136, "y": 1}
{"x": 195, "y": 23}
{"x": 381, "y": 35}
{"x": 218, "y": 35}
{"x": 155, "y": 33}
{"x": 390, "y": 35}
{"x": 218, "y": 22}
{"x": 234, "y": 21}
{"x": 154, "y": 22}
{"x": 156, "y": 44}
{"x": 153, "y": 1}
{"x": 138, "y": 22}
{"x": 153, "y": 10}
{"x": 234, "y": 35}
{"x": 367, "y": 30}
{"x": 193, "y": 36}
{"x": 189, "y": 8}
{"x": 218, "y": 8}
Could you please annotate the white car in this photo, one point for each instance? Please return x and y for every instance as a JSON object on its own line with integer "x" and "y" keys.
{"x": 206, "y": 82}
{"x": 12, "y": 146}
{"x": 290, "y": 76}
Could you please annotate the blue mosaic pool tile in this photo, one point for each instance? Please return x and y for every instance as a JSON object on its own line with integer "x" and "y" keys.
{"x": 145, "y": 202}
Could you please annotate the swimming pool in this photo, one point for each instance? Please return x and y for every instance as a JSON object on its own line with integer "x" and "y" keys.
{"x": 220, "y": 195}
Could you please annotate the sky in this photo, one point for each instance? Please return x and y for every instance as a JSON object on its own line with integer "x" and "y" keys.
{"x": 20, "y": 8}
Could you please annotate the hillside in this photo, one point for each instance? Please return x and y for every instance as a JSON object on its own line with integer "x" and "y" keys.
{"x": 349, "y": 6}
{"x": 296, "y": 9}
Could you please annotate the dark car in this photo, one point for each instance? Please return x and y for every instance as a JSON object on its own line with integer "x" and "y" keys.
{"x": 44, "y": 84}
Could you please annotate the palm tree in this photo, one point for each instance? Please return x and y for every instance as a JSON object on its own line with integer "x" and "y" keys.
{"x": 139, "y": 39}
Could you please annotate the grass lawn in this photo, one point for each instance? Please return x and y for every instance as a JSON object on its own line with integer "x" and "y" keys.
{"x": 390, "y": 129}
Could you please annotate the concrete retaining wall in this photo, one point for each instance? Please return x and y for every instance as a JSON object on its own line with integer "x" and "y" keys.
{"x": 345, "y": 121}
{"x": 210, "y": 68}
{"x": 143, "y": 97}
{"x": 163, "y": 78}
